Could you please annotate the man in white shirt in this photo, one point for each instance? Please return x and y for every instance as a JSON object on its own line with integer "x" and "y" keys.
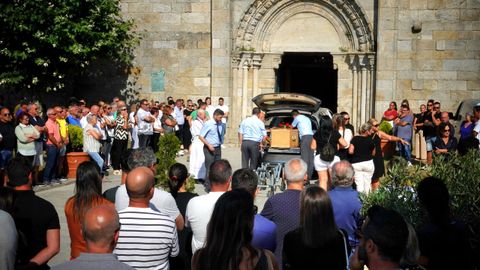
{"x": 161, "y": 201}
{"x": 200, "y": 208}
{"x": 180, "y": 118}
{"x": 145, "y": 124}
{"x": 147, "y": 237}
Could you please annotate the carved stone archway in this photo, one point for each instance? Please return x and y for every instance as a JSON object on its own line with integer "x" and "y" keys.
{"x": 262, "y": 15}
{"x": 253, "y": 55}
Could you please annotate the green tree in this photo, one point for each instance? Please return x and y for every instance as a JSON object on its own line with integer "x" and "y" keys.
{"x": 44, "y": 43}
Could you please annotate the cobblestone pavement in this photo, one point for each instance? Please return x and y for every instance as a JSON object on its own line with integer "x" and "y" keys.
{"x": 59, "y": 194}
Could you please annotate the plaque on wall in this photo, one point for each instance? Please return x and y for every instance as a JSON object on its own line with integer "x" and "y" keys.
{"x": 158, "y": 81}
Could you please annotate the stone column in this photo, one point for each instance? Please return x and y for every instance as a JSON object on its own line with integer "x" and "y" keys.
{"x": 371, "y": 73}
{"x": 256, "y": 63}
{"x": 363, "y": 108}
{"x": 235, "y": 102}
{"x": 246, "y": 62}
{"x": 354, "y": 113}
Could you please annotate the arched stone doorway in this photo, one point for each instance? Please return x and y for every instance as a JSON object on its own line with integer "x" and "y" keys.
{"x": 270, "y": 30}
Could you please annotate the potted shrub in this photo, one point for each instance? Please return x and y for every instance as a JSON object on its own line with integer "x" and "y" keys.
{"x": 168, "y": 147}
{"x": 77, "y": 156}
{"x": 388, "y": 147}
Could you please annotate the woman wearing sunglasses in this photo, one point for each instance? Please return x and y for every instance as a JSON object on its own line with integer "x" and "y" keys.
{"x": 444, "y": 142}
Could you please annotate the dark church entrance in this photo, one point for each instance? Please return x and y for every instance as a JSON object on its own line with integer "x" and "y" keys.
{"x": 309, "y": 73}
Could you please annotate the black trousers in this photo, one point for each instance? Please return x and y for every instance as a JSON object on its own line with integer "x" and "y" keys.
{"x": 180, "y": 134}
{"x": 154, "y": 141}
{"x": 250, "y": 154}
{"x": 118, "y": 148}
{"x": 144, "y": 140}
{"x": 210, "y": 158}
{"x": 306, "y": 153}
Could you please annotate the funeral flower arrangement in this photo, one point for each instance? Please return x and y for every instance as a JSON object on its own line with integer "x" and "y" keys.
{"x": 285, "y": 125}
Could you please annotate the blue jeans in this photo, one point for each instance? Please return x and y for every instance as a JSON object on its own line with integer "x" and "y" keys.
{"x": 50, "y": 167}
{"x": 97, "y": 158}
{"x": 5, "y": 157}
{"x": 405, "y": 150}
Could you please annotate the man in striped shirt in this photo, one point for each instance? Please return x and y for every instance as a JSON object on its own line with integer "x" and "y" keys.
{"x": 147, "y": 238}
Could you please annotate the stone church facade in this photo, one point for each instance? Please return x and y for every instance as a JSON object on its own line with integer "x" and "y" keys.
{"x": 355, "y": 56}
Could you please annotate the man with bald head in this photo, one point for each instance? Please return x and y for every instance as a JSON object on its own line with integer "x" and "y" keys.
{"x": 147, "y": 237}
{"x": 100, "y": 230}
{"x": 445, "y": 118}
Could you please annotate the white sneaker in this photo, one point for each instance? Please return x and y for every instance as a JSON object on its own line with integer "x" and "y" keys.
{"x": 409, "y": 164}
{"x": 223, "y": 146}
{"x": 55, "y": 182}
{"x": 181, "y": 153}
{"x": 63, "y": 180}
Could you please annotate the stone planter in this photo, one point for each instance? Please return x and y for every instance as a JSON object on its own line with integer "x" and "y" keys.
{"x": 388, "y": 149}
{"x": 74, "y": 159}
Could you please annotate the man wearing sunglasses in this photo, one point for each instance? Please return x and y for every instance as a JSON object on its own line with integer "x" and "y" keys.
{"x": 8, "y": 140}
{"x": 145, "y": 124}
{"x": 39, "y": 124}
{"x": 54, "y": 144}
{"x": 431, "y": 121}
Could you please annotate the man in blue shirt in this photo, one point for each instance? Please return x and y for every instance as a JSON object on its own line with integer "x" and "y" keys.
{"x": 345, "y": 200}
{"x": 284, "y": 208}
{"x": 404, "y": 129}
{"x": 72, "y": 117}
{"x": 304, "y": 126}
{"x": 250, "y": 134}
{"x": 211, "y": 135}
{"x": 264, "y": 230}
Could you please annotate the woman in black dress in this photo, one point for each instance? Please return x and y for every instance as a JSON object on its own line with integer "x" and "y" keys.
{"x": 377, "y": 137}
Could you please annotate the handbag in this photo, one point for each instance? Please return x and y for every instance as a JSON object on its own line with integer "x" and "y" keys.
{"x": 327, "y": 153}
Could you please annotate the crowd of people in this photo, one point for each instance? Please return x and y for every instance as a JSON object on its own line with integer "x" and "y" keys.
{"x": 137, "y": 225}
{"x": 107, "y": 129}
{"x": 305, "y": 227}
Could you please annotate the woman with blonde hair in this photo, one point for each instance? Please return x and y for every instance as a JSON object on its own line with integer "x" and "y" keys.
{"x": 362, "y": 150}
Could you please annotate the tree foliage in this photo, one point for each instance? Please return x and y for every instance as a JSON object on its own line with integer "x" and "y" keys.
{"x": 43, "y": 43}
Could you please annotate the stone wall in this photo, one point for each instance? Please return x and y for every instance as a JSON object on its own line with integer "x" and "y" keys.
{"x": 177, "y": 41}
{"x": 440, "y": 61}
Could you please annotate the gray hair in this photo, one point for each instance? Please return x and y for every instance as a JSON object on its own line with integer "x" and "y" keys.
{"x": 295, "y": 170}
{"x": 50, "y": 110}
{"x": 365, "y": 127}
{"x": 342, "y": 174}
{"x": 141, "y": 157}
{"x": 90, "y": 117}
{"x": 30, "y": 105}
